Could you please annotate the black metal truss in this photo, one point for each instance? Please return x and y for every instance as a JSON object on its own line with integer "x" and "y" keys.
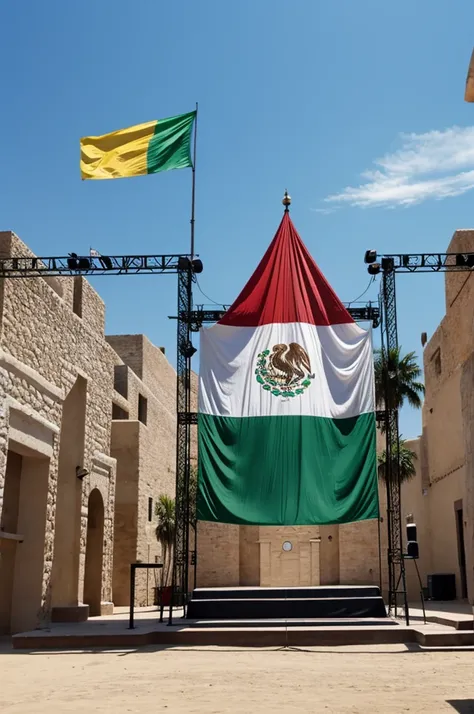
{"x": 183, "y": 442}
{"x": 33, "y": 267}
{"x": 391, "y": 265}
{"x": 427, "y": 262}
{"x": 361, "y": 312}
{"x": 396, "y": 562}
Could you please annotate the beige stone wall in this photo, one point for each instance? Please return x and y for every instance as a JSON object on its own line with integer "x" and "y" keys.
{"x": 329, "y": 555}
{"x": 125, "y": 436}
{"x": 320, "y": 555}
{"x": 218, "y": 555}
{"x": 359, "y": 553}
{"x": 467, "y": 391}
{"x": 287, "y": 568}
{"x": 44, "y": 348}
{"x": 442, "y": 525}
{"x": 415, "y": 502}
{"x": 433, "y": 511}
{"x": 149, "y": 463}
{"x": 249, "y": 555}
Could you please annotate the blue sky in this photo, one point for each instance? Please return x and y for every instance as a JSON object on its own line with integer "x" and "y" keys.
{"x": 307, "y": 95}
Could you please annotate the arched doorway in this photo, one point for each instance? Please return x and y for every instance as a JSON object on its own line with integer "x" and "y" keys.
{"x": 94, "y": 552}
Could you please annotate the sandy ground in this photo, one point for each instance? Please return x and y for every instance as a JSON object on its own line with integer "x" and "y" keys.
{"x": 390, "y": 678}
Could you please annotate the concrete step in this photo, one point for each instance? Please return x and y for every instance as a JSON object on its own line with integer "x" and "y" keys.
{"x": 296, "y": 622}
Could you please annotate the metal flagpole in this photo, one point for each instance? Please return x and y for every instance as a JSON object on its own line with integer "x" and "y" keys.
{"x": 193, "y": 192}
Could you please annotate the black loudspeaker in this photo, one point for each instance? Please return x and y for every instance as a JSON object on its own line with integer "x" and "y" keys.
{"x": 412, "y": 543}
{"x": 412, "y": 549}
{"x": 442, "y": 586}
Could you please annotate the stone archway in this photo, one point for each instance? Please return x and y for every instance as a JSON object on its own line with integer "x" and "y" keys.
{"x": 94, "y": 552}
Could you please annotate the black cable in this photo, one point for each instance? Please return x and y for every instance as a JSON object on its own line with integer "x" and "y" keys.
{"x": 362, "y": 294}
{"x": 213, "y": 302}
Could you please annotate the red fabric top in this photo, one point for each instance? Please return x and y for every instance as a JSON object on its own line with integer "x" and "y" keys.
{"x": 287, "y": 286}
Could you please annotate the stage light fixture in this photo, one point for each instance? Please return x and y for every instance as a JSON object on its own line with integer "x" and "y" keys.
{"x": 374, "y": 269}
{"x": 197, "y": 266}
{"x": 106, "y": 262}
{"x": 183, "y": 263}
{"x": 72, "y": 262}
{"x": 188, "y": 350}
{"x": 387, "y": 264}
{"x": 370, "y": 256}
{"x": 465, "y": 261}
{"x": 76, "y": 263}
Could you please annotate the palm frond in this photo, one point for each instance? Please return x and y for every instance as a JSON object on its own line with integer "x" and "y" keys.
{"x": 407, "y": 458}
{"x": 397, "y": 379}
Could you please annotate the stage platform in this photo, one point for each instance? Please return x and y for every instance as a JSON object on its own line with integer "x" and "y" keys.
{"x": 339, "y": 601}
{"x": 111, "y": 631}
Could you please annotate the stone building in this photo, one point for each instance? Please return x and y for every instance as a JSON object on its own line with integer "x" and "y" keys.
{"x": 441, "y": 496}
{"x": 87, "y": 428}
{"x": 87, "y": 445}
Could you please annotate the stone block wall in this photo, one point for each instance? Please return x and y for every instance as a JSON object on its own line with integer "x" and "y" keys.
{"x": 125, "y": 440}
{"x": 144, "y": 374}
{"x": 44, "y": 348}
{"x": 467, "y": 391}
{"x": 218, "y": 555}
{"x": 249, "y": 555}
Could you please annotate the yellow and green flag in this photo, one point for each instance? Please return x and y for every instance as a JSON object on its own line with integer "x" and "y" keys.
{"x": 142, "y": 149}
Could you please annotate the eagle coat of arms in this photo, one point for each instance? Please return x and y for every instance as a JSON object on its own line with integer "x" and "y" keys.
{"x": 284, "y": 371}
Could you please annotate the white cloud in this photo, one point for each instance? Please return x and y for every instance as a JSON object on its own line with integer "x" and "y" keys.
{"x": 435, "y": 165}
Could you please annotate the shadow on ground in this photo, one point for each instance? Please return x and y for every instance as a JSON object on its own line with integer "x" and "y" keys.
{"x": 463, "y": 706}
{"x": 409, "y": 648}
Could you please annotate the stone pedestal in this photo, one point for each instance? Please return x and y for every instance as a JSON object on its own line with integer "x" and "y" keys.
{"x": 74, "y": 613}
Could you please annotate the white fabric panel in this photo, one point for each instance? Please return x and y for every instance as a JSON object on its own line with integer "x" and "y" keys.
{"x": 341, "y": 358}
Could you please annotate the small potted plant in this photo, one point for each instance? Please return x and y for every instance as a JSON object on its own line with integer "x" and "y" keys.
{"x": 165, "y": 530}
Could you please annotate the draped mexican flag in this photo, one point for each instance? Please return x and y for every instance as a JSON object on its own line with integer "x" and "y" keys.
{"x": 286, "y": 401}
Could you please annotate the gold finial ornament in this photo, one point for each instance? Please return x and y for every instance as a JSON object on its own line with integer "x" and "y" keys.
{"x": 286, "y": 201}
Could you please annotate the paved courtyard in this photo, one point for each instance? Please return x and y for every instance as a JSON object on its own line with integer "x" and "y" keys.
{"x": 390, "y": 678}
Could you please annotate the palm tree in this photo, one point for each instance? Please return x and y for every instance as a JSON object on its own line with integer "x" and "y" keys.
{"x": 403, "y": 375}
{"x": 166, "y": 512}
{"x": 407, "y": 459}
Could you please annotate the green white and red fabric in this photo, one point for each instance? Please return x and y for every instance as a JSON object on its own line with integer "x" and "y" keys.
{"x": 286, "y": 401}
